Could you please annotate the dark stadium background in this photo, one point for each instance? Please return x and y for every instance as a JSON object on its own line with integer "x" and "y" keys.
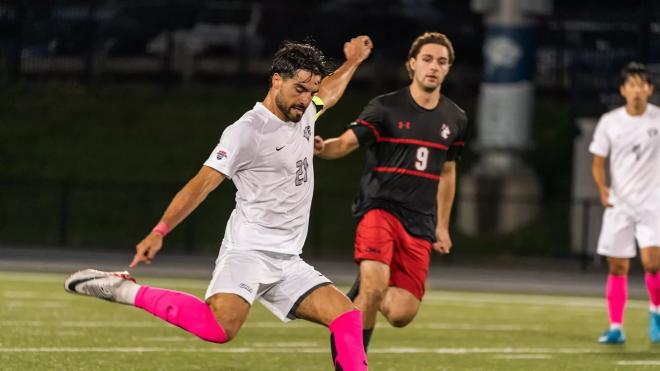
{"x": 105, "y": 113}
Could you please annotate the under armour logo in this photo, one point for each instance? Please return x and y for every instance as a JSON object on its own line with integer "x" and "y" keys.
{"x": 404, "y": 124}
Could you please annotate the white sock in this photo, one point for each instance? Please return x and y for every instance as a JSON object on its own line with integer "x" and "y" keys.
{"x": 126, "y": 292}
{"x": 615, "y": 326}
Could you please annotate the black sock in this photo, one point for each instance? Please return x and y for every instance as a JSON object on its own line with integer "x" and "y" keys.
{"x": 355, "y": 289}
{"x": 333, "y": 351}
{"x": 366, "y": 337}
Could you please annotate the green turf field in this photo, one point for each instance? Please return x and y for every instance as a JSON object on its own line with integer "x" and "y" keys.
{"x": 44, "y": 328}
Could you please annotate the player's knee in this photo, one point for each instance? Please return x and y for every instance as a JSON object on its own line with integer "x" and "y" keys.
{"x": 400, "y": 319}
{"x": 618, "y": 269}
{"x": 217, "y": 336}
{"x": 653, "y": 268}
{"x": 374, "y": 295}
{"x": 228, "y": 327}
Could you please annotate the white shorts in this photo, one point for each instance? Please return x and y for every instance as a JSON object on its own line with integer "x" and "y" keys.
{"x": 279, "y": 281}
{"x": 621, "y": 227}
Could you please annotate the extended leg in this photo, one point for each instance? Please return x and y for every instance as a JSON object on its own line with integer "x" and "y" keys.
{"x": 178, "y": 308}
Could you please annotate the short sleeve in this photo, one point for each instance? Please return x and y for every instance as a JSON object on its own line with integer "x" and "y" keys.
{"x": 235, "y": 151}
{"x": 455, "y": 151}
{"x": 600, "y": 144}
{"x": 368, "y": 126}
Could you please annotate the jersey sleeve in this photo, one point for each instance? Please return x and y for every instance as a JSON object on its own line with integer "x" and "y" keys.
{"x": 600, "y": 144}
{"x": 455, "y": 151}
{"x": 368, "y": 126}
{"x": 235, "y": 151}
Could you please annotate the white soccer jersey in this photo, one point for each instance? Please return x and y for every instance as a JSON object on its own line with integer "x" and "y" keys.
{"x": 271, "y": 163}
{"x": 633, "y": 146}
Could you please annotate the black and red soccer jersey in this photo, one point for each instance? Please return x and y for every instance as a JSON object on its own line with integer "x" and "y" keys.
{"x": 407, "y": 146}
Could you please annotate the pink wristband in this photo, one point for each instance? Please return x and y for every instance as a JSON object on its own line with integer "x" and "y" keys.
{"x": 161, "y": 228}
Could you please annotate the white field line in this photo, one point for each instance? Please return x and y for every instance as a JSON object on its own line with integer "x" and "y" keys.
{"x": 638, "y": 363}
{"x": 284, "y": 344}
{"x": 33, "y": 295}
{"x": 161, "y": 338}
{"x": 267, "y": 325}
{"x": 516, "y": 299}
{"x": 44, "y": 304}
{"x": 432, "y": 298}
{"x": 59, "y": 278}
{"x": 523, "y": 356}
{"x": 392, "y": 350}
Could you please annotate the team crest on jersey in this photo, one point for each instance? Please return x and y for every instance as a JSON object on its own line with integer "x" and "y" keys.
{"x": 444, "y": 131}
{"x": 653, "y": 133}
{"x": 307, "y": 133}
{"x": 221, "y": 154}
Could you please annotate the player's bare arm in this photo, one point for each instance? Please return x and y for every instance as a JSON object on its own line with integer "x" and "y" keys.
{"x": 185, "y": 201}
{"x": 598, "y": 173}
{"x": 334, "y": 148}
{"x": 333, "y": 86}
{"x": 445, "y": 197}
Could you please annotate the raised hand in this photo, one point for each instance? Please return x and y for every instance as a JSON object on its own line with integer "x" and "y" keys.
{"x": 358, "y": 49}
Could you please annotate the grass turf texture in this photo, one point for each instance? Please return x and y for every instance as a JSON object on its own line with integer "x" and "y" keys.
{"x": 45, "y": 328}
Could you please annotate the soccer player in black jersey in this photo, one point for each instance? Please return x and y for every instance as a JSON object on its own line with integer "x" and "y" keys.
{"x": 413, "y": 138}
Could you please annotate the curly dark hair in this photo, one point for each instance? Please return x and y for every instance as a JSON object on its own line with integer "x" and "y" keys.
{"x": 294, "y": 56}
{"x": 635, "y": 69}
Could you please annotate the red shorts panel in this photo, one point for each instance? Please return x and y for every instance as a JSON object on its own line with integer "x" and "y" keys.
{"x": 380, "y": 236}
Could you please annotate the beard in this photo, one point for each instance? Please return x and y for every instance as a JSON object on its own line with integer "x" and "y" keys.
{"x": 288, "y": 110}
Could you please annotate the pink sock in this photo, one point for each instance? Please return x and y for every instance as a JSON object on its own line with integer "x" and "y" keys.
{"x": 183, "y": 310}
{"x": 617, "y": 293}
{"x": 346, "y": 341}
{"x": 653, "y": 286}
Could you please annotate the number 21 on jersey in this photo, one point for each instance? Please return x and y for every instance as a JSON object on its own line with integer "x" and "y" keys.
{"x": 301, "y": 172}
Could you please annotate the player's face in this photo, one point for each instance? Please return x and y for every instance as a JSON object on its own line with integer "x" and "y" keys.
{"x": 430, "y": 66}
{"x": 295, "y": 94}
{"x": 636, "y": 91}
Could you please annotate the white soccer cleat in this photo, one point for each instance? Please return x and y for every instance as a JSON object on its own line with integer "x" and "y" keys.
{"x": 102, "y": 285}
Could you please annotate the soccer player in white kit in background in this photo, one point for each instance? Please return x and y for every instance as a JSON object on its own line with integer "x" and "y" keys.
{"x": 268, "y": 155}
{"x": 630, "y": 137}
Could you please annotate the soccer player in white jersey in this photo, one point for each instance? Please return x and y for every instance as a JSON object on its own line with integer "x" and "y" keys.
{"x": 630, "y": 137}
{"x": 268, "y": 155}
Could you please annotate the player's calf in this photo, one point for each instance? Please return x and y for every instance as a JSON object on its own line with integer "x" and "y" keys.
{"x": 346, "y": 342}
{"x": 178, "y": 308}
